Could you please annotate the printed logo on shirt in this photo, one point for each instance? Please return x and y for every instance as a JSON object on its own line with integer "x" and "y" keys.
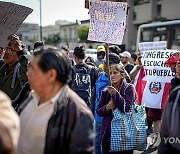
{"x": 155, "y": 87}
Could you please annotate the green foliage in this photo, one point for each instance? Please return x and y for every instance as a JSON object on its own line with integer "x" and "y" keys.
{"x": 83, "y": 33}
{"x": 52, "y": 39}
{"x": 32, "y": 40}
{"x": 157, "y": 19}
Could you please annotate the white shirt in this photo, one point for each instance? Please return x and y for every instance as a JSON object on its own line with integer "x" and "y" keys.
{"x": 33, "y": 121}
{"x": 137, "y": 75}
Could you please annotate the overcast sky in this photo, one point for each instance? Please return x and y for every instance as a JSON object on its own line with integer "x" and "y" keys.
{"x": 53, "y": 10}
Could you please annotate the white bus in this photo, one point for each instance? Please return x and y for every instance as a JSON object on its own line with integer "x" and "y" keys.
{"x": 160, "y": 31}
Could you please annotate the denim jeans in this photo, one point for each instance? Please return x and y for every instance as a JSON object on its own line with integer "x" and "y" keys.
{"x": 98, "y": 148}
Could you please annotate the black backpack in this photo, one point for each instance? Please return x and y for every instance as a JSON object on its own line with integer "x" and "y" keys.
{"x": 81, "y": 83}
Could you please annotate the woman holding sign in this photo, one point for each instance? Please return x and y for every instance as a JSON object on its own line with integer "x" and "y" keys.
{"x": 120, "y": 95}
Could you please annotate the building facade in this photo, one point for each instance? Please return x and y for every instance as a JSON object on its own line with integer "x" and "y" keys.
{"x": 143, "y": 11}
{"x": 140, "y": 12}
{"x": 25, "y": 31}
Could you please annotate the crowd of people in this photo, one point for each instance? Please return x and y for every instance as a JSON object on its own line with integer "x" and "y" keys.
{"x": 66, "y": 105}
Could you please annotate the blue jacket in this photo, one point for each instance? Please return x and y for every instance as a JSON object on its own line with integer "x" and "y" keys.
{"x": 101, "y": 83}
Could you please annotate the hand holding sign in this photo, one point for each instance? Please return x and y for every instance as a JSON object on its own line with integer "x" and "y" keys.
{"x": 111, "y": 90}
{"x": 110, "y": 106}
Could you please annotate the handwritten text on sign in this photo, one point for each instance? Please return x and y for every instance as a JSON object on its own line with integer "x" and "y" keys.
{"x": 11, "y": 17}
{"x": 159, "y": 45}
{"x": 154, "y": 65}
{"x": 107, "y": 21}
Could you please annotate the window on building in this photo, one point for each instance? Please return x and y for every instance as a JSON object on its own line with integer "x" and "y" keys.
{"x": 147, "y": 36}
{"x": 176, "y": 38}
{"x": 138, "y": 2}
{"x": 134, "y": 14}
{"x": 25, "y": 38}
{"x": 20, "y": 36}
{"x": 159, "y": 10}
{"x": 70, "y": 33}
{"x": 65, "y": 32}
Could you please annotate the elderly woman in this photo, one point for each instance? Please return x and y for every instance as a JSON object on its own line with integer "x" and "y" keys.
{"x": 114, "y": 97}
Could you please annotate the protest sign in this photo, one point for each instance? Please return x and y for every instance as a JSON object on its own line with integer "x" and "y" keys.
{"x": 107, "y": 21}
{"x": 11, "y": 17}
{"x": 155, "y": 94}
{"x": 153, "y": 81}
{"x": 153, "y": 62}
{"x": 159, "y": 45}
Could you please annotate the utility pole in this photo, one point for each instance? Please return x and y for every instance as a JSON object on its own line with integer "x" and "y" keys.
{"x": 40, "y": 20}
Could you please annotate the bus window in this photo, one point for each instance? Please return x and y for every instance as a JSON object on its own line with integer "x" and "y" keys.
{"x": 176, "y": 38}
{"x": 146, "y": 36}
{"x": 156, "y": 38}
{"x": 160, "y": 31}
{"x": 163, "y": 38}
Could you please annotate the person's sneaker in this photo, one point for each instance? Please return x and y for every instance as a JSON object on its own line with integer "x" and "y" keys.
{"x": 149, "y": 131}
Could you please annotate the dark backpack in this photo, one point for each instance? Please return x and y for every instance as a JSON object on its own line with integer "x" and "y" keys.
{"x": 81, "y": 83}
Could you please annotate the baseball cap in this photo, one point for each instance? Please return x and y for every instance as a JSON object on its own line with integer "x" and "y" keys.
{"x": 125, "y": 54}
{"x": 114, "y": 58}
{"x": 101, "y": 48}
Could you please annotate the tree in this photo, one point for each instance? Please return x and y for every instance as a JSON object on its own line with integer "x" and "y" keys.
{"x": 32, "y": 40}
{"x": 52, "y": 39}
{"x": 157, "y": 19}
{"x": 83, "y": 33}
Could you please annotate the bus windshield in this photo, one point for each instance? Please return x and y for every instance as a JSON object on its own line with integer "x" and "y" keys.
{"x": 160, "y": 31}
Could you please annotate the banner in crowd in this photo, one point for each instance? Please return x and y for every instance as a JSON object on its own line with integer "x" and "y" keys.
{"x": 107, "y": 21}
{"x": 154, "y": 92}
{"x": 11, "y": 17}
{"x": 153, "y": 62}
{"x": 151, "y": 94}
{"x": 159, "y": 45}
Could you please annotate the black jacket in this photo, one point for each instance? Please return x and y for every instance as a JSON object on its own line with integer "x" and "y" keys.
{"x": 170, "y": 127}
{"x": 13, "y": 77}
{"x": 93, "y": 75}
{"x": 22, "y": 96}
{"x": 174, "y": 83}
{"x": 94, "y": 72}
{"x": 70, "y": 128}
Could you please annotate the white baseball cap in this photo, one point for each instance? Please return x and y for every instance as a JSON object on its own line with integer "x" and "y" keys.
{"x": 28, "y": 55}
{"x": 125, "y": 54}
